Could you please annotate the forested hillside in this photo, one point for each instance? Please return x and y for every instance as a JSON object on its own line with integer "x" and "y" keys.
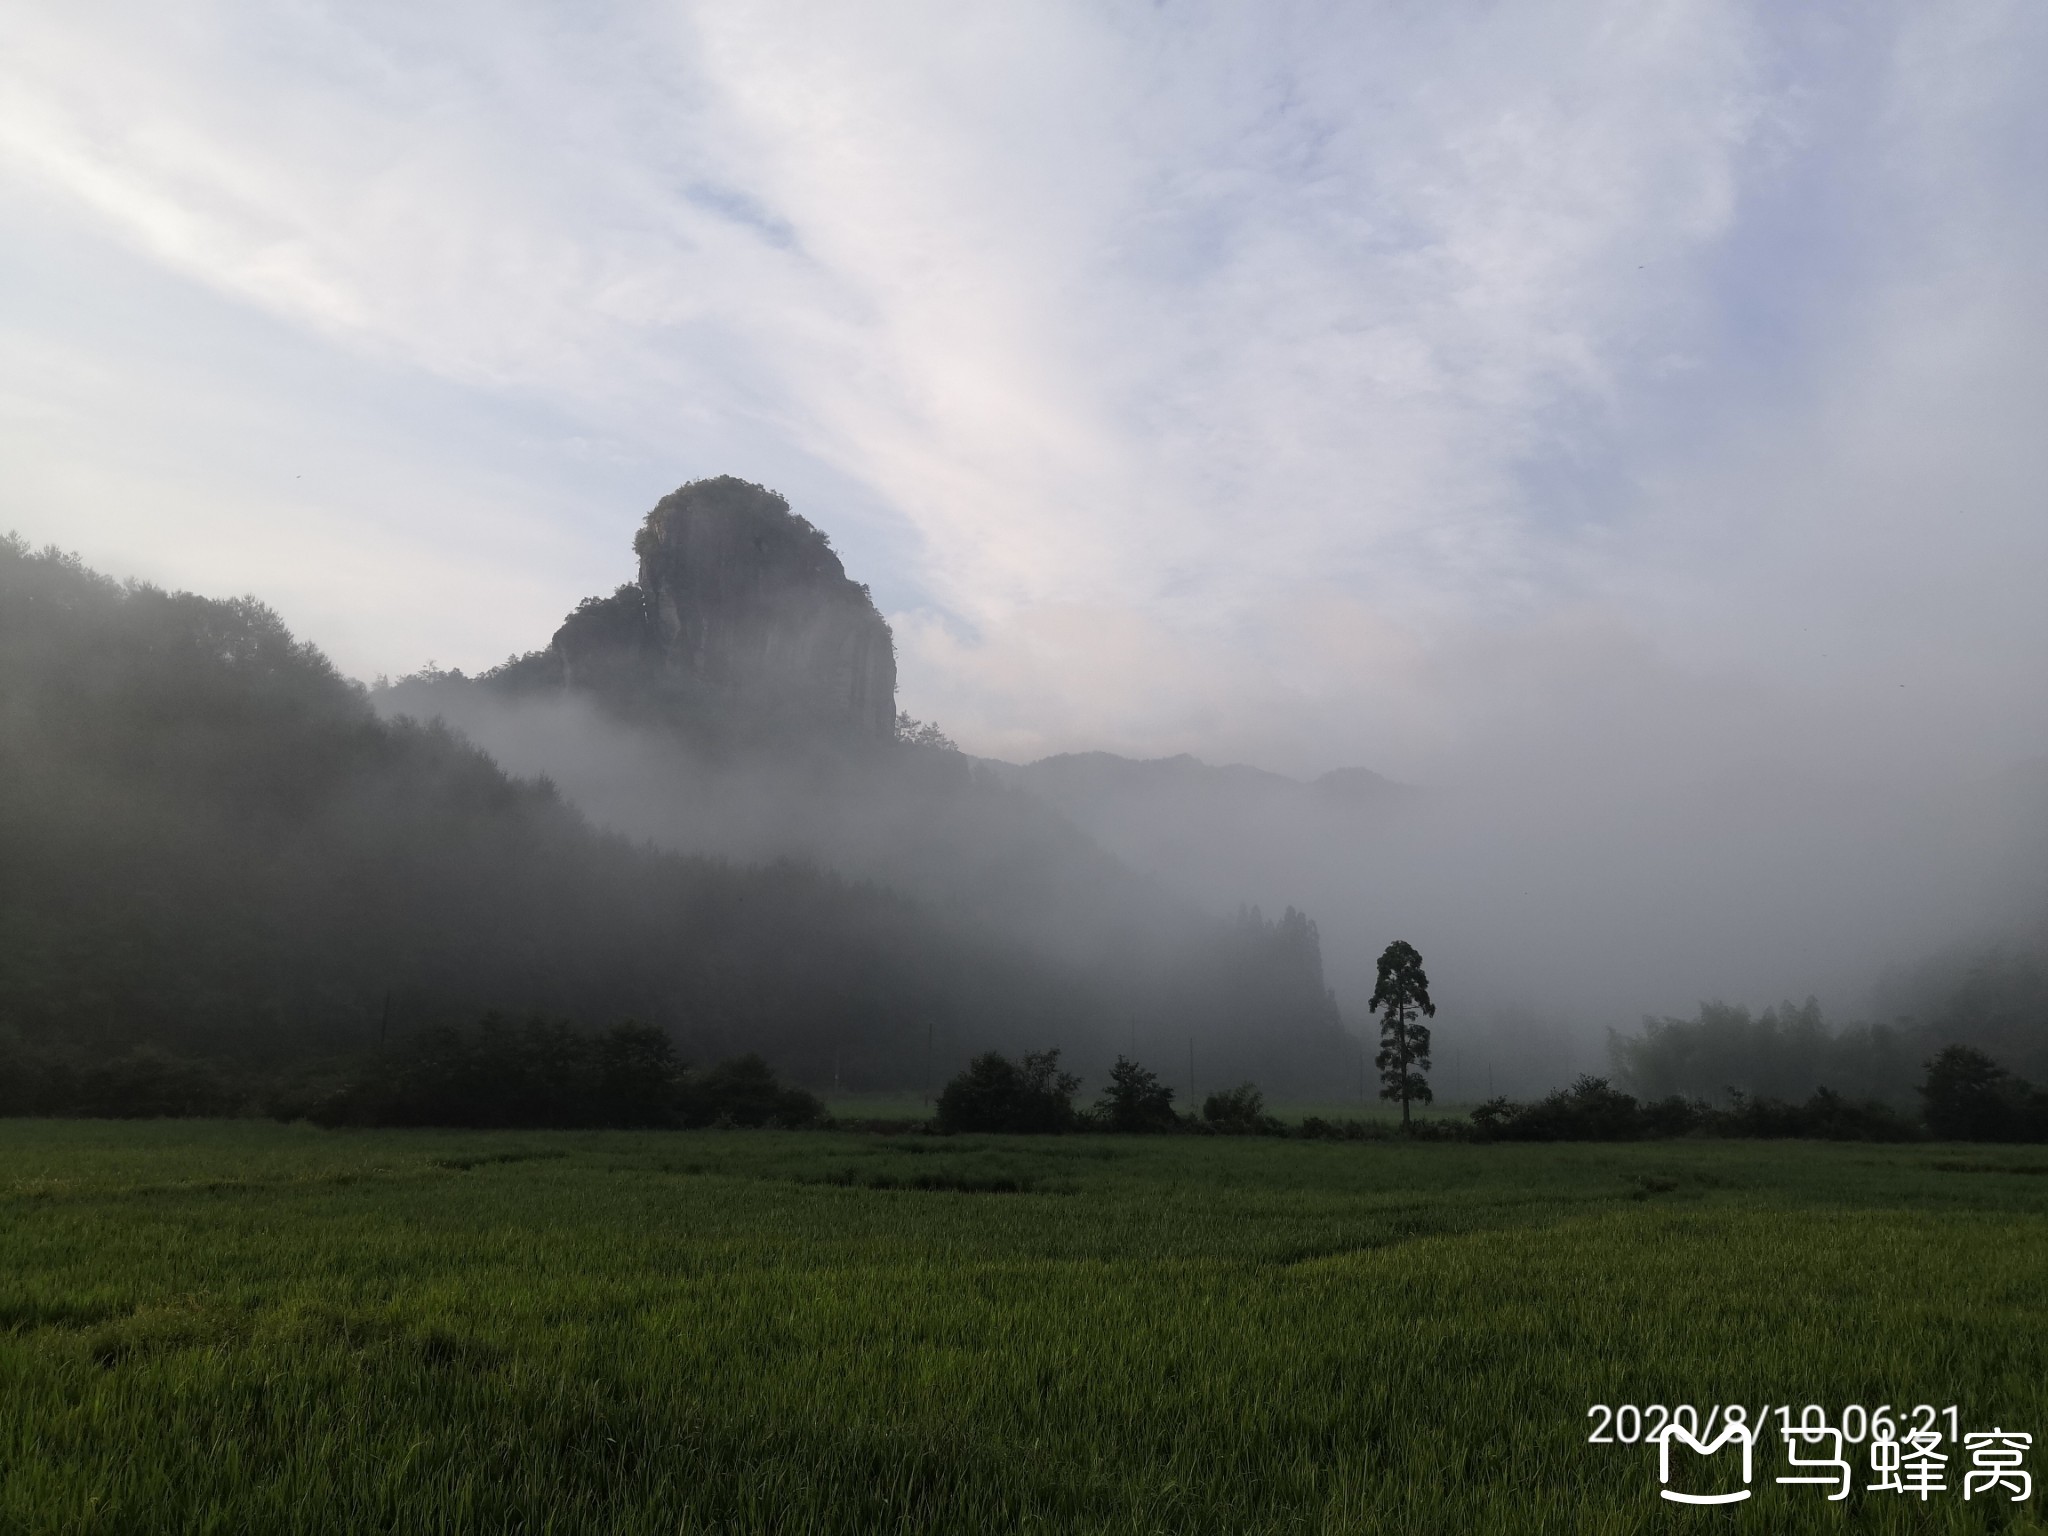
{"x": 211, "y": 844}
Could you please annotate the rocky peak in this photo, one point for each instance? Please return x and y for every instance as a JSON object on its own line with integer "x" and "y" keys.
{"x": 742, "y": 616}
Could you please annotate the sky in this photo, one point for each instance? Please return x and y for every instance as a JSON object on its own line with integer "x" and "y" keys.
{"x": 1444, "y": 388}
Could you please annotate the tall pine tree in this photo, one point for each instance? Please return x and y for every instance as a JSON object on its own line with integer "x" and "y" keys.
{"x": 1401, "y": 998}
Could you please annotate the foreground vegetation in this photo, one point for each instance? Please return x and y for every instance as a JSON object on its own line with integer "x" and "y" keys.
{"x": 244, "y": 1326}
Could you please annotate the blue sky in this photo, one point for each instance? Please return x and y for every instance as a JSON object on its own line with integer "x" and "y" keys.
{"x": 1414, "y": 385}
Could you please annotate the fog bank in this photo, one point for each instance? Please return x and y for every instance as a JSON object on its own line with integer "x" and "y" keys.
{"x": 1554, "y": 898}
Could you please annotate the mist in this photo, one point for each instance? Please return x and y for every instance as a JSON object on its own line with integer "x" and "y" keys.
{"x": 1558, "y": 894}
{"x": 1553, "y": 911}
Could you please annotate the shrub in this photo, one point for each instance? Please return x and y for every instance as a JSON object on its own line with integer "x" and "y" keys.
{"x": 501, "y": 1074}
{"x": 744, "y": 1091}
{"x": 1592, "y": 1109}
{"x": 998, "y": 1094}
{"x": 1239, "y": 1111}
{"x": 1135, "y": 1101}
{"x": 1826, "y": 1116}
{"x": 1969, "y": 1097}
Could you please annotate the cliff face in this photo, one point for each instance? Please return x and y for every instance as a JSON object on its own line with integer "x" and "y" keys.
{"x": 742, "y": 617}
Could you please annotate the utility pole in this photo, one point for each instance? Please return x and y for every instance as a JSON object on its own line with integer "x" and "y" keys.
{"x": 1191, "y": 1071}
{"x": 927, "y": 1061}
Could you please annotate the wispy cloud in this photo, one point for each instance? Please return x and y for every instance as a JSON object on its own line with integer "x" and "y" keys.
{"x": 1274, "y": 381}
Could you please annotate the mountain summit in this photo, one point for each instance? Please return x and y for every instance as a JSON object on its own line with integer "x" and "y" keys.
{"x": 743, "y": 622}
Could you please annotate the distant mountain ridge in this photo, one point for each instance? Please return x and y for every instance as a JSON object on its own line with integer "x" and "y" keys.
{"x": 1068, "y": 775}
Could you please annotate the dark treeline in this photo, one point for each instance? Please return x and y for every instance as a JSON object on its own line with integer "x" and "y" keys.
{"x": 1995, "y": 1002}
{"x": 1592, "y": 1109}
{"x": 547, "y": 1073}
{"x": 139, "y": 1084}
{"x": 1035, "y": 1096}
{"x": 538, "y": 1073}
{"x": 212, "y": 847}
{"x": 1963, "y": 1094}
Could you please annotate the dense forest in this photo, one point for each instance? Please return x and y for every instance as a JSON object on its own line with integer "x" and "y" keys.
{"x": 1994, "y": 1001}
{"x": 212, "y": 845}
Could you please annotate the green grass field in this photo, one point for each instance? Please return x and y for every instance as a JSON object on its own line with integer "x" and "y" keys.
{"x": 241, "y": 1327}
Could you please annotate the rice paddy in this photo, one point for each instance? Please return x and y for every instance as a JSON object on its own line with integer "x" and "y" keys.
{"x": 238, "y": 1326}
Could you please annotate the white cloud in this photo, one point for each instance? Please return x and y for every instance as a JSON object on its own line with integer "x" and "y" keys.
{"x": 1283, "y": 382}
